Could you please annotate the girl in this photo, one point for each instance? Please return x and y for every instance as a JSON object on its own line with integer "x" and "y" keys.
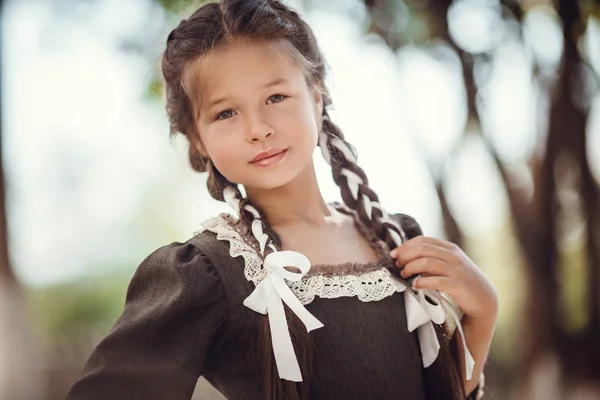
{"x": 320, "y": 305}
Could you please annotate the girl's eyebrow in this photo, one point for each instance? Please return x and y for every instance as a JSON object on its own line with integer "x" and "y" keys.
{"x": 277, "y": 81}
{"x": 213, "y": 103}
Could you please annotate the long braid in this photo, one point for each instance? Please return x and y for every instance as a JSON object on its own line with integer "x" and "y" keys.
{"x": 443, "y": 376}
{"x": 222, "y": 189}
{"x": 353, "y": 183}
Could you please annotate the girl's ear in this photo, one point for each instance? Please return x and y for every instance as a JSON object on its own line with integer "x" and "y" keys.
{"x": 202, "y": 151}
{"x": 318, "y": 101}
{"x": 197, "y": 143}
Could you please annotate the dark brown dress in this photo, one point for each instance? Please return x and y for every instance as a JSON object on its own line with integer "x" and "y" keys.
{"x": 184, "y": 318}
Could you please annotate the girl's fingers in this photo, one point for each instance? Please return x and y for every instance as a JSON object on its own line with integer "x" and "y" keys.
{"x": 419, "y": 240}
{"x": 427, "y": 266}
{"x": 432, "y": 240}
{"x": 441, "y": 283}
{"x": 409, "y": 252}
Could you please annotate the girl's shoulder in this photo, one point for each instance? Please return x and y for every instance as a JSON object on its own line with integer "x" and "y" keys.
{"x": 231, "y": 246}
{"x": 216, "y": 260}
{"x": 216, "y": 242}
{"x": 220, "y": 230}
{"x": 176, "y": 268}
{"x": 183, "y": 266}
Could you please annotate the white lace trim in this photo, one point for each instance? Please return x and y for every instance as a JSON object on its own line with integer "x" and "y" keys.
{"x": 370, "y": 286}
{"x": 253, "y": 271}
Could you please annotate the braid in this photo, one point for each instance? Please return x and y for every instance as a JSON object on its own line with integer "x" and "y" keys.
{"x": 353, "y": 182}
{"x": 361, "y": 199}
{"x": 222, "y": 189}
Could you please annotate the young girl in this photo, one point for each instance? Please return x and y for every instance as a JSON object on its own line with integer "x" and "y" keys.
{"x": 321, "y": 304}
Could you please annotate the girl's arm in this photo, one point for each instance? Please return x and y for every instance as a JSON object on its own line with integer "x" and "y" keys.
{"x": 159, "y": 346}
{"x": 478, "y": 335}
{"x": 445, "y": 267}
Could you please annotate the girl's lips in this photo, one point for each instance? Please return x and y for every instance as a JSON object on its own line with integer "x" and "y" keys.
{"x": 269, "y": 161}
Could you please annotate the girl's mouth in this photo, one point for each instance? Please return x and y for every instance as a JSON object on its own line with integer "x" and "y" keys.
{"x": 269, "y": 161}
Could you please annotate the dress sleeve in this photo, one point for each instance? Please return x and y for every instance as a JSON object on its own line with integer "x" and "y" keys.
{"x": 166, "y": 335}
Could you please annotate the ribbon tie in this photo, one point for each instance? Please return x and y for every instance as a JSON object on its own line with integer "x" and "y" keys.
{"x": 423, "y": 308}
{"x": 268, "y": 298}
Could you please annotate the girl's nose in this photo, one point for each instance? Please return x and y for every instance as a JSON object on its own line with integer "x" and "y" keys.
{"x": 260, "y": 130}
{"x": 262, "y": 133}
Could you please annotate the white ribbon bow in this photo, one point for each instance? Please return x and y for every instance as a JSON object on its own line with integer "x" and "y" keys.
{"x": 421, "y": 314}
{"x": 268, "y": 298}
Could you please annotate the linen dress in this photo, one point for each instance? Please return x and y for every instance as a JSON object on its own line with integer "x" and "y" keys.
{"x": 184, "y": 318}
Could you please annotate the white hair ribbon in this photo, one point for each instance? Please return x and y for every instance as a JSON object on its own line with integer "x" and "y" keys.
{"x": 398, "y": 239}
{"x": 353, "y": 181}
{"x": 421, "y": 314}
{"x": 376, "y": 205}
{"x": 229, "y": 196}
{"x": 253, "y": 210}
{"x": 367, "y": 204}
{"x": 268, "y": 298}
{"x": 258, "y": 233}
{"x": 343, "y": 147}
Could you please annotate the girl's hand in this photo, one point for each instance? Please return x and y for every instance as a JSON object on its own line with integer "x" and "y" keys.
{"x": 445, "y": 267}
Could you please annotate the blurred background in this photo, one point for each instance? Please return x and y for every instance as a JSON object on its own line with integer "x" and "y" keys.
{"x": 490, "y": 109}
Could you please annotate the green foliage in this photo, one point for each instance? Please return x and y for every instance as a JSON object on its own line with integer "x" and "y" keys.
{"x": 181, "y": 6}
{"x": 65, "y": 309}
{"x": 155, "y": 88}
{"x": 177, "y": 9}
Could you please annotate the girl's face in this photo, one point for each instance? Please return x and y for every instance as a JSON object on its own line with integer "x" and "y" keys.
{"x": 255, "y": 99}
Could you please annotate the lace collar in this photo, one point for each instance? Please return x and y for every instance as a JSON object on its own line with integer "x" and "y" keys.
{"x": 366, "y": 281}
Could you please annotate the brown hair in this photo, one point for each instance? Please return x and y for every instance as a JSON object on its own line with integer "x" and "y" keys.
{"x": 211, "y": 28}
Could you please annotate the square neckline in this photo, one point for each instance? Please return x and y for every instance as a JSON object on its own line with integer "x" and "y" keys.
{"x": 328, "y": 269}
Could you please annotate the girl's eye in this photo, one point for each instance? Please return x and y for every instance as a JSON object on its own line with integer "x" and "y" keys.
{"x": 225, "y": 114}
{"x": 277, "y": 98}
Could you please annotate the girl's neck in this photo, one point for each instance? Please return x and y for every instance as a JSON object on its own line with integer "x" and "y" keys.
{"x": 297, "y": 203}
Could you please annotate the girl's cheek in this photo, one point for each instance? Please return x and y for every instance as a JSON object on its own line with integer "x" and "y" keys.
{"x": 217, "y": 134}
{"x": 228, "y": 145}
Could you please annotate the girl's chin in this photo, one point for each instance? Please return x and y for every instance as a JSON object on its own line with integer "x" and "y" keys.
{"x": 267, "y": 184}
{"x": 271, "y": 180}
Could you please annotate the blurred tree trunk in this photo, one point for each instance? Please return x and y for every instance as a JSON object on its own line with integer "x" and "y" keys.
{"x": 19, "y": 373}
{"x": 394, "y": 41}
{"x": 536, "y": 221}
{"x": 6, "y": 273}
{"x": 567, "y": 138}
